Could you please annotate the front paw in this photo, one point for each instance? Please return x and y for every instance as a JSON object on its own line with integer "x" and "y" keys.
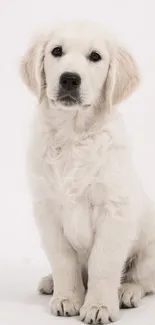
{"x": 95, "y": 313}
{"x": 63, "y": 306}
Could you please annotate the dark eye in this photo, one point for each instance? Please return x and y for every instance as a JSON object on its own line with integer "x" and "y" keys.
{"x": 94, "y": 56}
{"x": 57, "y": 51}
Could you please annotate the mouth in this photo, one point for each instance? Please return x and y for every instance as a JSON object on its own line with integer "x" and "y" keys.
{"x": 68, "y": 100}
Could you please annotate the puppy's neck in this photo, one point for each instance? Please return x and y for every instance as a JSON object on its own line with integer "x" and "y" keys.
{"x": 67, "y": 125}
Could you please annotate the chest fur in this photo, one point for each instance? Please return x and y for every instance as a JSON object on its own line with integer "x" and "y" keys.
{"x": 67, "y": 175}
{"x": 70, "y": 171}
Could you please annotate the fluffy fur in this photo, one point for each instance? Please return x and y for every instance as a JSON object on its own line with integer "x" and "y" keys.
{"x": 96, "y": 224}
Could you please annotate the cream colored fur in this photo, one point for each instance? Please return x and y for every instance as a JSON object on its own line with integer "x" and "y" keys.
{"x": 89, "y": 206}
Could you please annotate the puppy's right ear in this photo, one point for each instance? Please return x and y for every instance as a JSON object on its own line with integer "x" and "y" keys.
{"x": 32, "y": 68}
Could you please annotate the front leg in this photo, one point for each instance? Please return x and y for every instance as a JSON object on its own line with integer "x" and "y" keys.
{"x": 104, "y": 271}
{"x": 68, "y": 287}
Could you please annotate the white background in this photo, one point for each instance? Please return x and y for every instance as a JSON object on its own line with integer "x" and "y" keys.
{"x": 134, "y": 23}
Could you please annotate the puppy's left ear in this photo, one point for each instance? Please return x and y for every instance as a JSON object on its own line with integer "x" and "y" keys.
{"x": 123, "y": 78}
{"x": 32, "y": 68}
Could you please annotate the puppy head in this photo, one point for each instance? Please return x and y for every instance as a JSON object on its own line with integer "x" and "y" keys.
{"x": 78, "y": 64}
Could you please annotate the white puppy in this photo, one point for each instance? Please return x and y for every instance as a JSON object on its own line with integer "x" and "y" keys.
{"x": 96, "y": 224}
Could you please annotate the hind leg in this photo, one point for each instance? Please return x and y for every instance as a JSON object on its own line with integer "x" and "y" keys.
{"x": 139, "y": 280}
{"x": 46, "y": 285}
{"x": 130, "y": 295}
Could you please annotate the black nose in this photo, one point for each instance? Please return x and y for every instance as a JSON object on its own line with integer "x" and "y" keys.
{"x": 70, "y": 81}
